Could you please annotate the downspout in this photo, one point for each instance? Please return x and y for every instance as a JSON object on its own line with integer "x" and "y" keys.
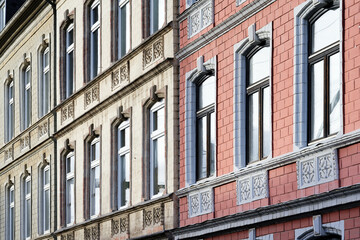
{"x": 53, "y": 6}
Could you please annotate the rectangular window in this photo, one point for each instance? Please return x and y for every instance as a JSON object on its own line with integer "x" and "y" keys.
{"x": 26, "y": 98}
{"x": 123, "y": 27}
{"x": 27, "y": 208}
{"x": 157, "y": 15}
{"x": 69, "y": 62}
{"x": 44, "y": 89}
{"x": 123, "y": 164}
{"x": 94, "y": 39}
{"x": 157, "y": 149}
{"x": 2, "y": 15}
{"x": 95, "y": 177}
{"x": 46, "y": 199}
{"x": 258, "y": 105}
{"x": 11, "y": 214}
{"x": 206, "y": 132}
{"x": 10, "y": 111}
{"x": 70, "y": 191}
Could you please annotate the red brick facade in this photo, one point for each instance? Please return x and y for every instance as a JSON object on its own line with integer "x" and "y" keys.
{"x": 283, "y": 177}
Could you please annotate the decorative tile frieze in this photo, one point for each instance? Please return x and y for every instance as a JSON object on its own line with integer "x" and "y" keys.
{"x": 43, "y": 130}
{"x": 153, "y": 216}
{"x": 316, "y": 169}
{"x": 154, "y": 52}
{"x": 120, "y": 77}
{"x": 200, "y": 18}
{"x": 252, "y": 187}
{"x": 67, "y": 112}
{"x": 92, "y": 233}
{"x": 24, "y": 143}
{"x": 91, "y": 95}
{"x": 200, "y": 202}
{"x": 8, "y": 154}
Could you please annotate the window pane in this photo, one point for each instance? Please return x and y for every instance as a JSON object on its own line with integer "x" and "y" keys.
{"x": 317, "y": 101}
{"x": 325, "y": 30}
{"x": 27, "y": 187}
{"x": 259, "y": 65}
{"x": 69, "y": 73}
{"x": 124, "y": 180}
{"x": 123, "y": 137}
{"x": 155, "y": 121}
{"x": 46, "y": 89}
{"x": 124, "y": 31}
{"x": 212, "y": 143}
{"x": 47, "y": 210}
{"x": 70, "y": 38}
{"x": 207, "y": 91}
{"x": 160, "y": 164}
{"x": 11, "y": 196}
{"x": 253, "y": 128}
{"x": 70, "y": 164}
{"x": 154, "y": 18}
{"x": 95, "y": 191}
{"x": 266, "y": 121}
{"x": 46, "y": 177}
{"x": 46, "y": 59}
{"x": 70, "y": 201}
{"x": 94, "y": 15}
{"x": 201, "y": 148}
{"x": 334, "y": 93}
{"x": 28, "y": 217}
{"x": 11, "y": 223}
{"x": 94, "y": 52}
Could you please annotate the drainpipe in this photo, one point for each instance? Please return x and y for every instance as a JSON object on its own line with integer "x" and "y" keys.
{"x": 53, "y": 6}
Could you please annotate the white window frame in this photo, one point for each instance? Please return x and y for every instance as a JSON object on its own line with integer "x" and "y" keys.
{"x": 27, "y": 197}
{"x": 45, "y": 187}
{"x": 69, "y": 50}
{"x": 2, "y": 14}
{"x": 93, "y": 28}
{"x": 44, "y": 83}
{"x": 155, "y": 135}
{"x": 10, "y": 111}
{"x": 160, "y": 18}
{"x": 70, "y": 196}
{"x": 123, "y": 4}
{"x": 94, "y": 163}
{"x": 11, "y": 214}
{"x": 122, "y": 152}
{"x": 26, "y": 103}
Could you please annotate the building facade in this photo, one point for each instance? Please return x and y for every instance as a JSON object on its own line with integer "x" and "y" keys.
{"x": 269, "y": 120}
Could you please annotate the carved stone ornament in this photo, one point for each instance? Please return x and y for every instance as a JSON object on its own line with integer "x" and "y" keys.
{"x": 87, "y": 234}
{"x": 154, "y": 52}
{"x": 158, "y": 214}
{"x": 147, "y": 56}
{"x": 43, "y": 129}
{"x": 67, "y": 112}
{"x": 158, "y": 49}
{"x": 147, "y": 218}
{"x": 8, "y": 154}
{"x": 115, "y": 79}
{"x": 69, "y": 236}
{"x": 24, "y": 142}
{"x": 200, "y": 18}
{"x": 124, "y": 73}
{"x": 92, "y": 233}
{"x": 124, "y": 225}
{"x": 252, "y": 187}
{"x": 92, "y": 95}
{"x": 318, "y": 168}
{"x": 200, "y": 202}
{"x": 115, "y": 227}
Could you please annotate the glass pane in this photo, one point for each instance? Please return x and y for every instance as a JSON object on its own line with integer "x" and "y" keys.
{"x": 70, "y": 201}
{"x": 69, "y": 73}
{"x": 325, "y": 30}
{"x": 10, "y": 92}
{"x": 212, "y": 143}
{"x": 27, "y": 77}
{"x": 124, "y": 180}
{"x": 27, "y": 187}
{"x": 95, "y": 151}
{"x": 11, "y": 196}
{"x": 95, "y": 191}
{"x": 259, "y": 65}
{"x": 154, "y": 18}
{"x": 46, "y": 177}
{"x": 94, "y": 53}
{"x": 28, "y": 217}
{"x": 123, "y": 29}
{"x": 207, "y": 91}
{"x": 46, "y": 90}
{"x": 317, "y": 101}
{"x": 266, "y": 122}
{"x": 70, "y": 37}
{"x": 201, "y": 148}
{"x": 28, "y": 107}
{"x": 154, "y": 171}
{"x": 47, "y": 210}
{"x": 161, "y": 119}
{"x": 11, "y": 223}
{"x": 123, "y": 137}
{"x": 334, "y": 93}
{"x": 46, "y": 59}
{"x": 94, "y": 14}
{"x": 160, "y": 164}
{"x": 161, "y": 13}
{"x": 253, "y": 127}
{"x": 155, "y": 121}
{"x": 70, "y": 164}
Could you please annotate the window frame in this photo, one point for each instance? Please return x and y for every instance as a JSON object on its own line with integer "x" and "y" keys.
{"x": 9, "y": 109}
{"x": 69, "y": 176}
{"x": 68, "y": 51}
{"x": 27, "y": 197}
{"x": 94, "y": 28}
{"x": 25, "y": 97}
{"x": 123, "y": 151}
{"x": 119, "y": 36}
{"x": 44, "y": 188}
{"x": 93, "y": 165}
{"x": 10, "y": 221}
{"x": 2, "y": 14}
{"x": 44, "y": 83}
{"x": 303, "y": 13}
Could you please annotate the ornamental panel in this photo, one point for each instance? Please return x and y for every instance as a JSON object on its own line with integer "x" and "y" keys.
{"x": 67, "y": 112}
{"x": 201, "y": 202}
{"x": 153, "y": 52}
{"x": 200, "y": 17}
{"x": 252, "y": 187}
{"x": 318, "y": 168}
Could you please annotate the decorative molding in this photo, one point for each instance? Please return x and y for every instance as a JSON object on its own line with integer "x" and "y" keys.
{"x": 24, "y": 143}
{"x": 8, "y": 154}
{"x": 43, "y": 129}
{"x": 252, "y": 187}
{"x": 201, "y": 202}
{"x": 120, "y": 76}
{"x": 67, "y": 112}
{"x": 92, "y": 232}
{"x": 153, "y": 216}
{"x": 92, "y": 95}
{"x": 200, "y": 17}
{"x": 317, "y": 168}
{"x": 153, "y": 52}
